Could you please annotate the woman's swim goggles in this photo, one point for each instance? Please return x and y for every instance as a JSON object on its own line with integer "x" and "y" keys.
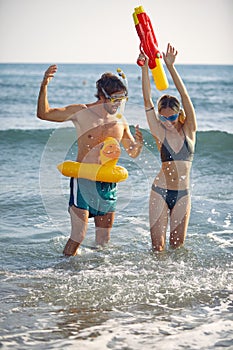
{"x": 172, "y": 118}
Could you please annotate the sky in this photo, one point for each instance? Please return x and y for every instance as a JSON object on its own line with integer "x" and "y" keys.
{"x": 103, "y": 31}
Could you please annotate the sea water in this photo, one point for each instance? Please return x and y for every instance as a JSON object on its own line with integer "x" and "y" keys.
{"x": 122, "y": 296}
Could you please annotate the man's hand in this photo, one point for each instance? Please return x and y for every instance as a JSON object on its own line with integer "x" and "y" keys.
{"x": 138, "y": 135}
{"x": 49, "y": 74}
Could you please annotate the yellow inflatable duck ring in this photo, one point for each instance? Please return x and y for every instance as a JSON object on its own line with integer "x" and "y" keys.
{"x": 107, "y": 171}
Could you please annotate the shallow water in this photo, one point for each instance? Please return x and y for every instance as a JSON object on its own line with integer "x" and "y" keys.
{"x": 122, "y": 296}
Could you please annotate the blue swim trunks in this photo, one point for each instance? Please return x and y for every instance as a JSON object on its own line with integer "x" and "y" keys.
{"x": 97, "y": 197}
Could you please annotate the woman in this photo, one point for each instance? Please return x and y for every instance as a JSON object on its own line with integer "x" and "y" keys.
{"x": 175, "y": 133}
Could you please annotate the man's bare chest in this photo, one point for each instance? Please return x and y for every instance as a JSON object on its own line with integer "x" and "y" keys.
{"x": 94, "y": 127}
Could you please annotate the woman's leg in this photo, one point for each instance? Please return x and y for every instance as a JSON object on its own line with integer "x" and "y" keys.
{"x": 158, "y": 216}
{"x": 179, "y": 220}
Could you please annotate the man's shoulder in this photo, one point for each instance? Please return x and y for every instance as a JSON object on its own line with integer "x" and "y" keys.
{"x": 78, "y": 107}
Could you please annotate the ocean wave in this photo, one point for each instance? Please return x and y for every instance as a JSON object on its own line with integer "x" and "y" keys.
{"x": 208, "y": 142}
{"x": 23, "y": 137}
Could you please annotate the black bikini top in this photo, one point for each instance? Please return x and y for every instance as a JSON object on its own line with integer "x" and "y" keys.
{"x": 168, "y": 155}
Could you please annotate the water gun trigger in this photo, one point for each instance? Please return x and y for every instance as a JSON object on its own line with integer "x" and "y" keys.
{"x": 141, "y": 61}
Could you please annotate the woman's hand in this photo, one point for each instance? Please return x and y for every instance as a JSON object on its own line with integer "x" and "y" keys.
{"x": 170, "y": 56}
{"x": 142, "y": 60}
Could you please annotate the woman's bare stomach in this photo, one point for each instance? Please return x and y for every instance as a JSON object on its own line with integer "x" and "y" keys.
{"x": 174, "y": 175}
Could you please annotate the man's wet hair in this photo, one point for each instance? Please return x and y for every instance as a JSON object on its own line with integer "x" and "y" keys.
{"x": 110, "y": 83}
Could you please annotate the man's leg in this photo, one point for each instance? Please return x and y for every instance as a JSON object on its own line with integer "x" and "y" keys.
{"x": 79, "y": 223}
{"x": 103, "y": 224}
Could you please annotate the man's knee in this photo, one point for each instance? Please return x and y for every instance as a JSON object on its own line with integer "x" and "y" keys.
{"x": 105, "y": 221}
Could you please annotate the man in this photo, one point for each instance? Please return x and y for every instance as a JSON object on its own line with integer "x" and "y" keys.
{"x": 94, "y": 122}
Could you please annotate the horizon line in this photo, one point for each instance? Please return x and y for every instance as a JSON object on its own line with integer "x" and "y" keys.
{"x": 115, "y": 63}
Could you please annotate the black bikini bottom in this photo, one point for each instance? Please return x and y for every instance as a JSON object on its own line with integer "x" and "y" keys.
{"x": 171, "y": 197}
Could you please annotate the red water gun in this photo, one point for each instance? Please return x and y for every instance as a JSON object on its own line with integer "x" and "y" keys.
{"x": 149, "y": 45}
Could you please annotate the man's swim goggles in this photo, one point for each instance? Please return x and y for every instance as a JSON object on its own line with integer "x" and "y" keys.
{"x": 115, "y": 98}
